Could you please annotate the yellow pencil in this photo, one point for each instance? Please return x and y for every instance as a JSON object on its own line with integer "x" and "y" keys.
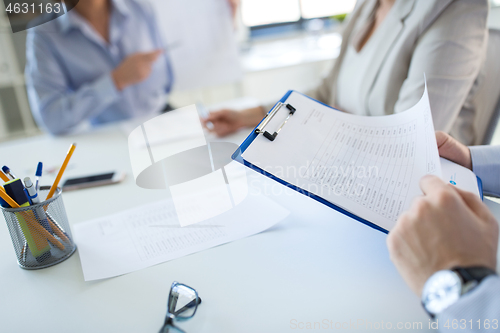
{"x": 4, "y": 177}
{"x": 61, "y": 171}
{"x": 57, "y": 230}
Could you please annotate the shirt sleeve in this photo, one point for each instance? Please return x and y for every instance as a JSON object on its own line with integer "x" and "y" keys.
{"x": 486, "y": 165}
{"x": 476, "y": 311}
{"x": 55, "y": 105}
{"x": 450, "y": 53}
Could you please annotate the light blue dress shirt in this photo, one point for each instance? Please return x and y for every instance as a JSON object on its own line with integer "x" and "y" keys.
{"x": 483, "y": 302}
{"x": 480, "y": 304}
{"x": 69, "y": 67}
{"x": 486, "y": 165}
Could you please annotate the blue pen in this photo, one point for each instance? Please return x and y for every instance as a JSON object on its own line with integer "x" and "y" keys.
{"x": 7, "y": 171}
{"x": 28, "y": 196}
{"x": 38, "y": 176}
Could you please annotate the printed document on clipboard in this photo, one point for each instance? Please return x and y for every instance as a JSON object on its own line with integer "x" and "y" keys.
{"x": 366, "y": 167}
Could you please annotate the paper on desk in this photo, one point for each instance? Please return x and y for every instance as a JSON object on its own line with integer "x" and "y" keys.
{"x": 149, "y": 235}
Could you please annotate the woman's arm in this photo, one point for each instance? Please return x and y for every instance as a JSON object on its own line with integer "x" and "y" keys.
{"x": 450, "y": 53}
{"x": 54, "y": 104}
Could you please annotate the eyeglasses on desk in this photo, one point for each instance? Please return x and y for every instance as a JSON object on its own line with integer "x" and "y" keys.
{"x": 182, "y": 304}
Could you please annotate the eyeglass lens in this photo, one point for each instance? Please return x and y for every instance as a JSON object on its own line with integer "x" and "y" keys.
{"x": 183, "y": 301}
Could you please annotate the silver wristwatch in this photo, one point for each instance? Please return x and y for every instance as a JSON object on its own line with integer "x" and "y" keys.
{"x": 445, "y": 287}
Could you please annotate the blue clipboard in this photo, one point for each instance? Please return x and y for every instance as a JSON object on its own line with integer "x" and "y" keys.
{"x": 253, "y": 135}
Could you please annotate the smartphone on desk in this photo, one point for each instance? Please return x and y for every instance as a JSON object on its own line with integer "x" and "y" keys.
{"x": 109, "y": 178}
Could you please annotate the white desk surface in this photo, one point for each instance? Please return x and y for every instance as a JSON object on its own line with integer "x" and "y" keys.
{"x": 317, "y": 265}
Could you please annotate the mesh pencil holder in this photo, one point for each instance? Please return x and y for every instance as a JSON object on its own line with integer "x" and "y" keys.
{"x": 40, "y": 233}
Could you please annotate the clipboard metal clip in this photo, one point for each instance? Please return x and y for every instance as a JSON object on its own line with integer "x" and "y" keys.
{"x": 270, "y": 115}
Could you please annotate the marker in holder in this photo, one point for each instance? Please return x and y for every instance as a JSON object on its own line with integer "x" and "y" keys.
{"x": 40, "y": 233}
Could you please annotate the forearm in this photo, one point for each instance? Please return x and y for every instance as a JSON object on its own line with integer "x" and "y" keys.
{"x": 486, "y": 165}
{"x": 251, "y": 117}
{"x": 450, "y": 54}
{"x": 60, "y": 111}
{"x": 476, "y": 311}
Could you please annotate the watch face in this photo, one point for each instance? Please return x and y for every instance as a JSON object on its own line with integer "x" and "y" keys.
{"x": 441, "y": 290}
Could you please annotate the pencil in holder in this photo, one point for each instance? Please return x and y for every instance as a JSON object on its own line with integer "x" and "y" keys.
{"x": 40, "y": 233}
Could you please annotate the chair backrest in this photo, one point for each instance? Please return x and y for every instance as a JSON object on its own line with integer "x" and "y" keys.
{"x": 487, "y": 98}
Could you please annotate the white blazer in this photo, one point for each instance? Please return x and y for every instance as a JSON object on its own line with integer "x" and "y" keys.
{"x": 445, "y": 39}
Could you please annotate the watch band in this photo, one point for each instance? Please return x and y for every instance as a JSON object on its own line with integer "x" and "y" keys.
{"x": 476, "y": 273}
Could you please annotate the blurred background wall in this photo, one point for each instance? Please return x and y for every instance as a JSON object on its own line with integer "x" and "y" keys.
{"x": 289, "y": 45}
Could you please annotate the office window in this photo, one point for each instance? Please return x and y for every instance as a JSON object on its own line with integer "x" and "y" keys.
{"x": 271, "y": 12}
{"x": 264, "y": 12}
{"x": 323, "y": 8}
